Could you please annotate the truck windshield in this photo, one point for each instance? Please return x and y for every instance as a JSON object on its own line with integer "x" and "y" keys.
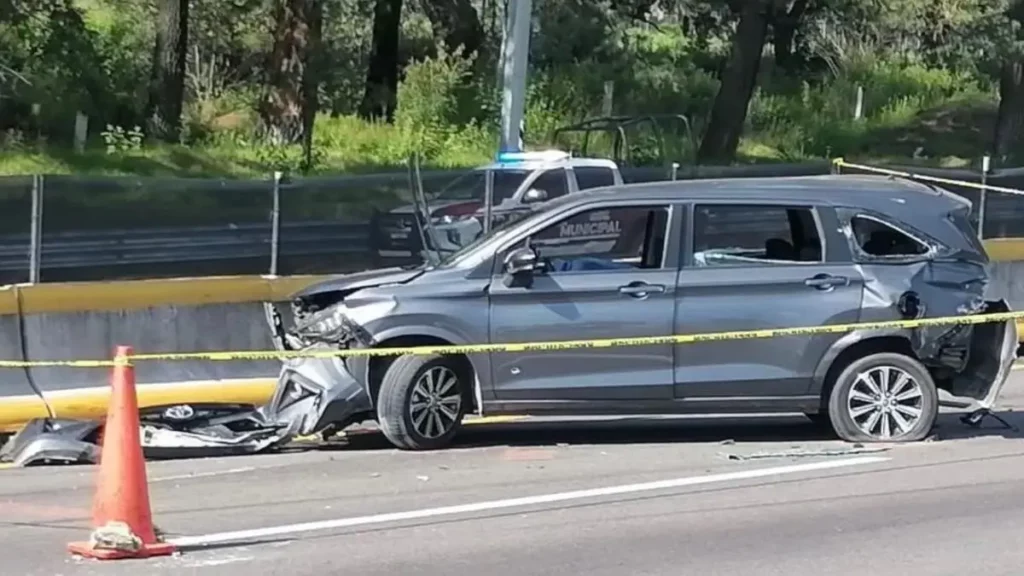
{"x": 471, "y": 186}
{"x": 480, "y": 247}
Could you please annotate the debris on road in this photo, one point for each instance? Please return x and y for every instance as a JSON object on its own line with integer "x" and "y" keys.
{"x": 799, "y": 453}
{"x": 182, "y": 431}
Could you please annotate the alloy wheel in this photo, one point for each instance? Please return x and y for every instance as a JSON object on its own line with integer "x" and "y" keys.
{"x": 885, "y": 402}
{"x": 436, "y": 402}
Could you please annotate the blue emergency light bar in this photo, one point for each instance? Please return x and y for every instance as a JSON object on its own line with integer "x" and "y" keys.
{"x": 542, "y": 156}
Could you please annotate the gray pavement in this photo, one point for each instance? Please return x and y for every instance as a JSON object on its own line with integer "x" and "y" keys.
{"x": 949, "y": 506}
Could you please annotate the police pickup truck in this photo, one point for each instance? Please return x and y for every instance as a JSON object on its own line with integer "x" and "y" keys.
{"x": 517, "y": 181}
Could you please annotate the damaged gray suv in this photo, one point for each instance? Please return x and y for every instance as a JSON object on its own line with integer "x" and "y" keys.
{"x": 659, "y": 259}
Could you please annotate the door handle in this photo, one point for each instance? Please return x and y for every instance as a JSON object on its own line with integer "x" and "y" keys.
{"x": 823, "y": 281}
{"x": 641, "y": 289}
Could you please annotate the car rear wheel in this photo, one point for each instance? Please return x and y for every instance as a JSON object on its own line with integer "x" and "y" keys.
{"x": 884, "y": 397}
{"x": 421, "y": 402}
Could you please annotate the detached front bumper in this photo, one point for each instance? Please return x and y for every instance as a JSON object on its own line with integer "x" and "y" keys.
{"x": 314, "y": 394}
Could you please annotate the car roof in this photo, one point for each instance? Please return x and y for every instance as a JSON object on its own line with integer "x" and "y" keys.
{"x": 880, "y": 193}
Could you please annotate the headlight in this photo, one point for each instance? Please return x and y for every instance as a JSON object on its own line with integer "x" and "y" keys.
{"x": 446, "y": 219}
{"x": 324, "y": 322}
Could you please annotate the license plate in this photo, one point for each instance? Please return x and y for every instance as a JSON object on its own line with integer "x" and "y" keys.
{"x": 399, "y": 235}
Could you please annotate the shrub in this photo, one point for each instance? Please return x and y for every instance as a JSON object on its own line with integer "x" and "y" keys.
{"x": 427, "y": 113}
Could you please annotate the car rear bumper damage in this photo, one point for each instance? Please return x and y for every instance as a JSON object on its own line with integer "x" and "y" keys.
{"x": 975, "y": 361}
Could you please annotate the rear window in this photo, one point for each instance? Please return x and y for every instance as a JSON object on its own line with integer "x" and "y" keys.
{"x": 593, "y": 177}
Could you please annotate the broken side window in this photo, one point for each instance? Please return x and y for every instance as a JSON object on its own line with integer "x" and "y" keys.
{"x": 755, "y": 235}
{"x": 879, "y": 239}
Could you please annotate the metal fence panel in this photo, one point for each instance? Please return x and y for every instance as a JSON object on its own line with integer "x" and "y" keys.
{"x": 15, "y": 224}
{"x": 127, "y": 228}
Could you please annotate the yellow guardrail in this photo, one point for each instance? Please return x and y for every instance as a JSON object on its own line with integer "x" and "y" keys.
{"x": 107, "y": 296}
{"x": 675, "y": 339}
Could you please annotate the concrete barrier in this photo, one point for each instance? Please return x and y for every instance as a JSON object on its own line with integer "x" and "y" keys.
{"x": 1007, "y": 272}
{"x": 20, "y": 400}
{"x": 86, "y": 320}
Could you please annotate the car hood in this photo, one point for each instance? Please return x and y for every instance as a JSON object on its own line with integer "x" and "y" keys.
{"x": 359, "y": 280}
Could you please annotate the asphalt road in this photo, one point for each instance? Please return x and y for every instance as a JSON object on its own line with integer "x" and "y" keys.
{"x": 629, "y": 497}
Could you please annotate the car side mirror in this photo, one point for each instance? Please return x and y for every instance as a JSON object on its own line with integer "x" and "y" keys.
{"x": 521, "y": 261}
{"x": 534, "y": 195}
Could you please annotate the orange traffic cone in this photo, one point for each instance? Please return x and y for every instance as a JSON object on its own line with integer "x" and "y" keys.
{"x": 121, "y": 517}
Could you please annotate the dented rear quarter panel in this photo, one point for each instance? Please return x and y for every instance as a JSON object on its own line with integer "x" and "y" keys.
{"x": 949, "y": 282}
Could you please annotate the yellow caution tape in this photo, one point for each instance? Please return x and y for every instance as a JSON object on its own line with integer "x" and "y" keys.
{"x": 526, "y": 346}
{"x": 839, "y": 162}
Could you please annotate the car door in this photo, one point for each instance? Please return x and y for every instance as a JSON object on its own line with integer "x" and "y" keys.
{"x": 757, "y": 266}
{"x": 612, "y": 270}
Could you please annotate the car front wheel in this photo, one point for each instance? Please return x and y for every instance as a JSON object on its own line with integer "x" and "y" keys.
{"x": 884, "y": 397}
{"x": 421, "y": 402}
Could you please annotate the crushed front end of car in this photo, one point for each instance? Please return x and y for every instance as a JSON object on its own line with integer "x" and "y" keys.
{"x": 318, "y": 393}
{"x": 321, "y": 391}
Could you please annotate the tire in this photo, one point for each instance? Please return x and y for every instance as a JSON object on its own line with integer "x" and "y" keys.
{"x": 410, "y": 376}
{"x": 851, "y": 413}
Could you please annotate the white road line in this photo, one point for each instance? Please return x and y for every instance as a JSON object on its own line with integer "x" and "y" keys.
{"x": 202, "y": 474}
{"x": 519, "y": 502}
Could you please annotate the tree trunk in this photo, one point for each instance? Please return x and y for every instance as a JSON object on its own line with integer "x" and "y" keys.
{"x": 1010, "y": 118}
{"x": 167, "y": 81}
{"x": 294, "y": 36}
{"x": 380, "y": 94}
{"x": 729, "y": 112}
{"x": 785, "y": 23}
{"x": 311, "y": 80}
{"x": 456, "y": 25}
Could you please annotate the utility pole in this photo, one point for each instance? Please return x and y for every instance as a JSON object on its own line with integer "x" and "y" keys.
{"x": 516, "y": 51}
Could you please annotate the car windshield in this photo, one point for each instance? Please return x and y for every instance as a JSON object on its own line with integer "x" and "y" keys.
{"x": 471, "y": 186}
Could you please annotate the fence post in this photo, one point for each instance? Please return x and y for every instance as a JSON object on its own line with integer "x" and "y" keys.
{"x": 983, "y": 199}
{"x": 36, "y": 230}
{"x": 607, "y": 104}
{"x": 488, "y": 200}
{"x": 275, "y": 224}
